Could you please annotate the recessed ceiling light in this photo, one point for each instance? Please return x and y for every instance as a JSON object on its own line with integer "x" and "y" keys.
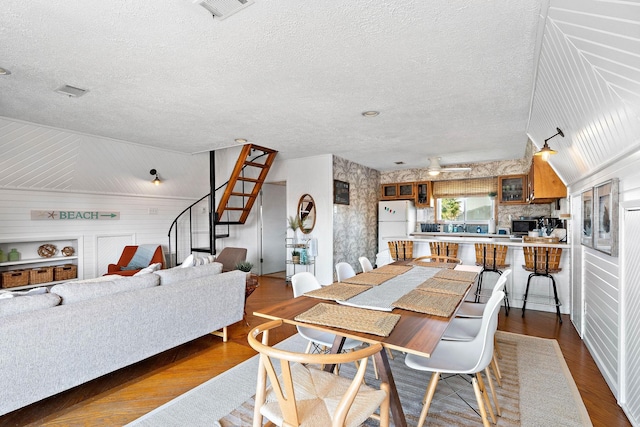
{"x": 4, "y": 72}
{"x": 240, "y": 140}
{"x": 370, "y": 113}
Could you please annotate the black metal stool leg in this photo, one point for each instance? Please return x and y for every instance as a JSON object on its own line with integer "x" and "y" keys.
{"x": 555, "y": 295}
{"x": 479, "y": 287}
{"x": 526, "y": 293}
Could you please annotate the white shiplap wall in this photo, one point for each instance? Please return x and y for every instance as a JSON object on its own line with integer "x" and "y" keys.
{"x": 135, "y": 226}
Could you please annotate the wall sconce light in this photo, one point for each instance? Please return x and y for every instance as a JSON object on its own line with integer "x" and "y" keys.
{"x": 156, "y": 180}
{"x": 547, "y": 151}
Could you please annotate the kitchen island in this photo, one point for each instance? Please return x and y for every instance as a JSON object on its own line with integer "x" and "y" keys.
{"x": 540, "y": 291}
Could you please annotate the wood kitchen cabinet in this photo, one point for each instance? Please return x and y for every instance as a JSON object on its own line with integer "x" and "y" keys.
{"x": 512, "y": 189}
{"x": 398, "y": 191}
{"x": 423, "y": 194}
{"x": 543, "y": 184}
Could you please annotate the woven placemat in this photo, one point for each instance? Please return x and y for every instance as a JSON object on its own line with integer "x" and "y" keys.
{"x": 351, "y": 318}
{"x": 435, "y": 264}
{"x": 444, "y": 286}
{"x": 433, "y": 303}
{"x": 465, "y": 276}
{"x": 369, "y": 279}
{"x": 391, "y": 269}
{"x": 337, "y": 291}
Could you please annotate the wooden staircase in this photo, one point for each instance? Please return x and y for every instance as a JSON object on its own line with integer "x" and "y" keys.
{"x": 244, "y": 185}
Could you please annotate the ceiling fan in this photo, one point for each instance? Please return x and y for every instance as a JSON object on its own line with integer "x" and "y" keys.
{"x": 435, "y": 168}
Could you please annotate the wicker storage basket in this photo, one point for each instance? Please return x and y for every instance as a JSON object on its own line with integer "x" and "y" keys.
{"x": 538, "y": 255}
{"x": 485, "y": 255}
{"x": 444, "y": 249}
{"x": 65, "y": 272}
{"x": 40, "y": 275}
{"x": 13, "y": 278}
{"x": 401, "y": 249}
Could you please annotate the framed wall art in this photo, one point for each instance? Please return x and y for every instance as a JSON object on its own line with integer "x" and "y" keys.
{"x": 605, "y": 217}
{"x": 587, "y": 218}
{"x": 340, "y": 192}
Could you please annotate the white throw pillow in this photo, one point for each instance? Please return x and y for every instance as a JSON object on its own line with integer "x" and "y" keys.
{"x": 188, "y": 262}
{"x": 150, "y": 269}
{"x": 33, "y": 291}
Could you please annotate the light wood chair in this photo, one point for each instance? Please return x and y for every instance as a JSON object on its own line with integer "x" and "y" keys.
{"x": 320, "y": 390}
{"x": 401, "y": 249}
{"x": 438, "y": 258}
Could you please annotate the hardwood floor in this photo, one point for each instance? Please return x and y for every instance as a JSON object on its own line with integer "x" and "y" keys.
{"x": 129, "y": 393}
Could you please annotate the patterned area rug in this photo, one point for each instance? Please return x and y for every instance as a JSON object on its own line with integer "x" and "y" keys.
{"x": 537, "y": 390}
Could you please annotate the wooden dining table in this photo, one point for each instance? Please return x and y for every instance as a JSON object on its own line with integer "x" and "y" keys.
{"x": 415, "y": 333}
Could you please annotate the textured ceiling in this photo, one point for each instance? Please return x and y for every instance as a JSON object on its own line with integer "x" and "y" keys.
{"x": 451, "y": 79}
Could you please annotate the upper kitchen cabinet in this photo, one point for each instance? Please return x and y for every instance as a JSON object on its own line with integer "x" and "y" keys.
{"x": 423, "y": 194}
{"x": 543, "y": 184}
{"x": 398, "y": 191}
{"x": 512, "y": 189}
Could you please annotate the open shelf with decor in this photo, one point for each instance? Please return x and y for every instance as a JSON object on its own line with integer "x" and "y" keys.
{"x": 301, "y": 262}
{"x": 29, "y": 263}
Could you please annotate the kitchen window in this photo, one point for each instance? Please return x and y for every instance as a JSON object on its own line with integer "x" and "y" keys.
{"x": 465, "y": 210}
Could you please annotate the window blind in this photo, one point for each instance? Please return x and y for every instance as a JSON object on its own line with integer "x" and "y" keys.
{"x": 464, "y": 187}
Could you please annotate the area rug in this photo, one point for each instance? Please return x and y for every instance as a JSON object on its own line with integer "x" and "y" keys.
{"x": 537, "y": 389}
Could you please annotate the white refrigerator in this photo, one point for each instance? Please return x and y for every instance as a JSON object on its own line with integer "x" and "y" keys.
{"x": 396, "y": 220}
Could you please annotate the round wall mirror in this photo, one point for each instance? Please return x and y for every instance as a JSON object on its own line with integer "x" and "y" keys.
{"x": 307, "y": 213}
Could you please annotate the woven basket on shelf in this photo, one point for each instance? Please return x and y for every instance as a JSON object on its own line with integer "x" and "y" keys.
{"x": 40, "y": 275}
{"x": 65, "y": 272}
{"x": 14, "y": 278}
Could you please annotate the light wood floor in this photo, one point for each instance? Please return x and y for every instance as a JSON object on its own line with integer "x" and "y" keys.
{"x": 125, "y": 395}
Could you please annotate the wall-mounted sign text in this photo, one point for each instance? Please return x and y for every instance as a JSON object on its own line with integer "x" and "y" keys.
{"x": 74, "y": 215}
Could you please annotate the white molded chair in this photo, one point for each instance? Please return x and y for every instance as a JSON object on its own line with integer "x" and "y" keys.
{"x": 325, "y": 399}
{"x": 475, "y": 310}
{"x": 344, "y": 271}
{"x": 365, "y": 264}
{"x": 463, "y": 357}
{"x": 305, "y": 282}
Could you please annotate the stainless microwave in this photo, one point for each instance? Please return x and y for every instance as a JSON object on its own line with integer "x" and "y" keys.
{"x": 522, "y": 227}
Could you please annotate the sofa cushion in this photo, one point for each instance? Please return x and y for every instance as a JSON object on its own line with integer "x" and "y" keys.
{"x": 188, "y": 261}
{"x": 178, "y": 274}
{"x": 72, "y": 292}
{"x": 9, "y": 306}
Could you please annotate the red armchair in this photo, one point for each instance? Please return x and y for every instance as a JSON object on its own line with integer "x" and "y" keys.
{"x": 127, "y": 254}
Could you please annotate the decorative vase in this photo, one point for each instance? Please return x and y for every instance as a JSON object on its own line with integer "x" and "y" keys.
{"x": 3, "y": 256}
{"x": 303, "y": 256}
{"x": 295, "y": 259}
{"x": 14, "y": 255}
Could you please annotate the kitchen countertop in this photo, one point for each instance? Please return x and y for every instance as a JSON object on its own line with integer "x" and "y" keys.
{"x": 481, "y": 238}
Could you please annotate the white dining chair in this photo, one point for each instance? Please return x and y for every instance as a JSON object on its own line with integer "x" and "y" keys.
{"x": 463, "y": 357}
{"x": 365, "y": 264}
{"x": 475, "y": 310}
{"x": 344, "y": 271}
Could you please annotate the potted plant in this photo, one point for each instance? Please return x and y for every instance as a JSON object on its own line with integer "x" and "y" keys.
{"x": 252, "y": 279}
{"x": 244, "y": 266}
{"x": 295, "y": 256}
{"x": 294, "y": 225}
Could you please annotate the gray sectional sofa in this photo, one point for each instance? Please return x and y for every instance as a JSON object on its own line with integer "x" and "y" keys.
{"x": 82, "y": 330}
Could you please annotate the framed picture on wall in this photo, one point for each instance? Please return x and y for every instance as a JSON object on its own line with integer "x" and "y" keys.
{"x": 587, "y": 218}
{"x": 605, "y": 217}
{"x": 340, "y": 192}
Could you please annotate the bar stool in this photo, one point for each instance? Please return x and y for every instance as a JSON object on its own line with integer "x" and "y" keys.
{"x": 401, "y": 249}
{"x": 542, "y": 261}
{"x": 492, "y": 258}
{"x": 448, "y": 249}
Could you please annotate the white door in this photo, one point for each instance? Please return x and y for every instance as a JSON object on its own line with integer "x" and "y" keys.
{"x": 273, "y": 228}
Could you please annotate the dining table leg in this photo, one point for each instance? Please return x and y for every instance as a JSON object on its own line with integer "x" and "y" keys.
{"x": 384, "y": 371}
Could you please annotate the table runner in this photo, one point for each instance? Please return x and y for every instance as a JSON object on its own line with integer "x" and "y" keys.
{"x": 337, "y": 291}
{"x": 350, "y": 318}
{"x": 369, "y": 278}
{"x": 436, "y": 304}
{"x": 435, "y": 264}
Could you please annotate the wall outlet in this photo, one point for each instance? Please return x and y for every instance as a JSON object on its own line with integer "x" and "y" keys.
{"x": 153, "y": 211}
